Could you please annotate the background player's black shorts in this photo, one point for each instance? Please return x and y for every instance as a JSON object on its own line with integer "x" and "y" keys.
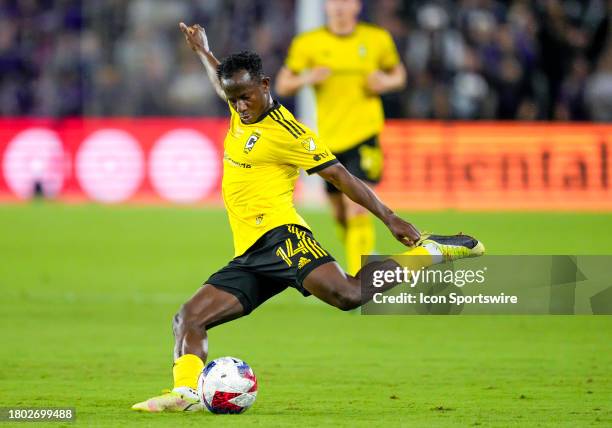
{"x": 279, "y": 259}
{"x": 364, "y": 161}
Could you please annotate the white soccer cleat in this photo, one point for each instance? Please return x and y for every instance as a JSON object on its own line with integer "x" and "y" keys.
{"x": 177, "y": 400}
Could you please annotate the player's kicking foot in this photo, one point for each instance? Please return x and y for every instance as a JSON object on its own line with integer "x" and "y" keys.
{"x": 171, "y": 401}
{"x": 453, "y": 247}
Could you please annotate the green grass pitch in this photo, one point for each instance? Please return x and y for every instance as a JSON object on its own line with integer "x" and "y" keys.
{"x": 88, "y": 293}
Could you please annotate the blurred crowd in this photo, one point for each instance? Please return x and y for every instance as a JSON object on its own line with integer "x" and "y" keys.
{"x": 466, "y": 59}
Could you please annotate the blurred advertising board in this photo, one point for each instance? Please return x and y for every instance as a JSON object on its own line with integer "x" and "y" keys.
{"x": 427, "y": 165}
{"x": 488, "y": 166}
{"x": 112, "y": 160}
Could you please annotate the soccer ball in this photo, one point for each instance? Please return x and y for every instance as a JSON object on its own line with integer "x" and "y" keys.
{"x": 227, "y": 385}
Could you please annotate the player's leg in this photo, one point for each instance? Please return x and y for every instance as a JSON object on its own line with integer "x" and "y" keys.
{"x": 208, "y": 307}
{"x": 332, "y": 285}
{"x": 360, "y": 234}
{"x": 234, "y": 291}
{"x": 364, "y": 161}
{"x": 354, "y": 226}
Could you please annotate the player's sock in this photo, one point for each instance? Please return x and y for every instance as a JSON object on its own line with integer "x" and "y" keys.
{"x": 359, "y": 240}
{"x": 185, "y": 371}
{"x": 420, "y": 257}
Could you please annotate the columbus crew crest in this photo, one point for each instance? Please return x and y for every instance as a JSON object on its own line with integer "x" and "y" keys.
{"x": 363, "y": 51}
{"x": 250, "y": 143}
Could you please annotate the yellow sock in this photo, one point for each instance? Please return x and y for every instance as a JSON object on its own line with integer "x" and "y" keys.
{"x": 359, "y": 241}
{"x": 186, "y": 370}
{"x": 419, "y": 257}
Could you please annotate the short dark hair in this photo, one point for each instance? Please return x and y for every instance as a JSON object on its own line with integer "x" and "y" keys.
{"x": 245, "y": 60}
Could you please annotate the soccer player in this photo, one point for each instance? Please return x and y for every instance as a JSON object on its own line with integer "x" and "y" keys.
{"x": 274, "y": 247}
{"x": 349, "y": 64}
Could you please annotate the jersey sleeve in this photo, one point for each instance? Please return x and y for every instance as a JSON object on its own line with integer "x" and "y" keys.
{"x": 307, "y": 152}
{"x": 298, "y": 56}
{"x": 389, "y": 57}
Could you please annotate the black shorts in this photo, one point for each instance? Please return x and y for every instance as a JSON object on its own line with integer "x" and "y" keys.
{"x": 281, "y": 258}
{"x": 364, "y": 161}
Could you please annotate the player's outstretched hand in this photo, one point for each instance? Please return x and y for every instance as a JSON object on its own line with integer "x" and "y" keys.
{"x": 403, "y": 231}
{"x": 376, "y": 82}
{"x": 317, "y": 75}
{"x": 195, "y": 37}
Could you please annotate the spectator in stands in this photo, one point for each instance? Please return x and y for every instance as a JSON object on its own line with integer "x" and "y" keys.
{"x": 466, "y": 59}
{"x": 599, "y": 89}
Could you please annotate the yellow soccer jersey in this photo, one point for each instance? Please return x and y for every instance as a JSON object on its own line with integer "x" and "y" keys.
{"x": 261, "y": 163}
{"x": 347, "y": 113}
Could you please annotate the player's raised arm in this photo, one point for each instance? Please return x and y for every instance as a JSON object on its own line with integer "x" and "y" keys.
{"x": 198, "y": 42}
{"x": 360, "y": 193}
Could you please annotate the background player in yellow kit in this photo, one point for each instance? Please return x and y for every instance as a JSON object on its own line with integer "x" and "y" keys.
{"x": 274, "y": 248}
{"x": 350, "y": 64}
